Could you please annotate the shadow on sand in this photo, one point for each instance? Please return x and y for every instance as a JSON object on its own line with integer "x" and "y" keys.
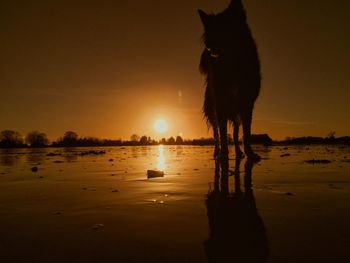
{"x": 237, "y": 232}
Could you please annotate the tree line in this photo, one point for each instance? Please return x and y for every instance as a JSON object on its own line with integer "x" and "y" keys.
{"x": 13, "y": 139}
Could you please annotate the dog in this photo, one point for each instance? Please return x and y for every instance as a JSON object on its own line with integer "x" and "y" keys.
{"x": 231, "y": 66}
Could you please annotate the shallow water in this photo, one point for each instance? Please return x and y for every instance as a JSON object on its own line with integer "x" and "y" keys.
{"x": 97, "y": 208}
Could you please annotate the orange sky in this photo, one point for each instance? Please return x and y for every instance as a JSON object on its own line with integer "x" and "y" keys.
{"x": 110, "y": 68}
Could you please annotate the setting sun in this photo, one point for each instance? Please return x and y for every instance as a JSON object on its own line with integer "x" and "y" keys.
{"x": 161, "y": 126}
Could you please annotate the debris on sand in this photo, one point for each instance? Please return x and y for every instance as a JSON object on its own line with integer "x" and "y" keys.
{"x": 57, "y": 161}
{"x": 111, "y": 160}
{"x": 34, "y": 169}
{"x": 315, "y": 161}
{"x": 332, "y": 186}
{"x": 285, "y": 155}
{"x": 115, "y": 190}
{"x": 98, "y": 226}
{"x": 154, "y": 173}
{"x": 53, "y": 154}
{"x": 58, "y": 213}
{"x": 92, "y": 152}
{"x": 289, "y": 194}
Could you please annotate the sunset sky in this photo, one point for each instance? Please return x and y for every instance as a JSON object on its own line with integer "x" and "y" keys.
{"x": 112, "y": 68}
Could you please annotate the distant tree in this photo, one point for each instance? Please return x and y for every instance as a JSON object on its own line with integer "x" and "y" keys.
{"x": 90, "y": 141}
{"x": 179, "y": 140}
{"x": 135, "y": 138}
{"x": 171, "y": 140}
{"x": 70, "y": 135}
{"x": 331, "y": 135}
{"x": 70, "y": 138}
{"x": 144, "y": 140}
{"x": 9, "y": 138}
{"x": 264, "y": 139}
{"x": 163, "y": 141}
{"x": 151, "y": 141}
{"x": 37, "y": 139}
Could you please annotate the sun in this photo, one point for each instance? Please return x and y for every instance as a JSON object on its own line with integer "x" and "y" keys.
{"x": 161, "y": 126}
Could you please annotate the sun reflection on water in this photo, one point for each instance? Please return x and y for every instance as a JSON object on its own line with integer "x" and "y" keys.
{"x": 161, "y": 166}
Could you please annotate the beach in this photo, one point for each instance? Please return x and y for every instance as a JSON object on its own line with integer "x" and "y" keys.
{"x": 97, "y": 205}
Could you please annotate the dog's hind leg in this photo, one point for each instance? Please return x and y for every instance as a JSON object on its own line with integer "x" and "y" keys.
{"x": 236, "y": 124}
{"x": 247, "y": 122}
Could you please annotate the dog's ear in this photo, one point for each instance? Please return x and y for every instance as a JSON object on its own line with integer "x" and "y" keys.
{"x": 236, "y": 9}
{"x": 235, "y": 4}
{"x": 204, "y": 17}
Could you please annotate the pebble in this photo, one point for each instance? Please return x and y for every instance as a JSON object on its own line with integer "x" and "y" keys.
{"x": 53, "y": 154}
{"x": 285, "y": 155}
{"x": 34, "y": 169}
{"x": 98, "y": 226}
{"x": 57, "y": 213}
{"x": 314, "y": 161}
{"x": 92, "y": 153}
{"x": 155, "y": 173}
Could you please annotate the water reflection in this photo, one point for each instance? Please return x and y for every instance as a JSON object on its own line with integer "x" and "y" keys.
{"x": 70, "y": 155}
{"x": 179, "y": 150}
{"x": 161, "y": 166}
{"x": 36, "y": 156}
{"x": 237, "y": 231}
{"x": 8, "y": 157}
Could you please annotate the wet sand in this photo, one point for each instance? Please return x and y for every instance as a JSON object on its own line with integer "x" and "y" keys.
{"x": 102, "y": 208}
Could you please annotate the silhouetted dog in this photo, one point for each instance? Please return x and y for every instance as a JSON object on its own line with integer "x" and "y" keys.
{"x": 231, "y": 65}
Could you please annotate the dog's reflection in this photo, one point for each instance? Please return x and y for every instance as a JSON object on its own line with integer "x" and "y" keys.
{"x": 237, "y": 232}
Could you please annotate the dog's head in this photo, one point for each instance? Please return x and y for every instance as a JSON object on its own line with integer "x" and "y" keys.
{"x": 218, "y": 28}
